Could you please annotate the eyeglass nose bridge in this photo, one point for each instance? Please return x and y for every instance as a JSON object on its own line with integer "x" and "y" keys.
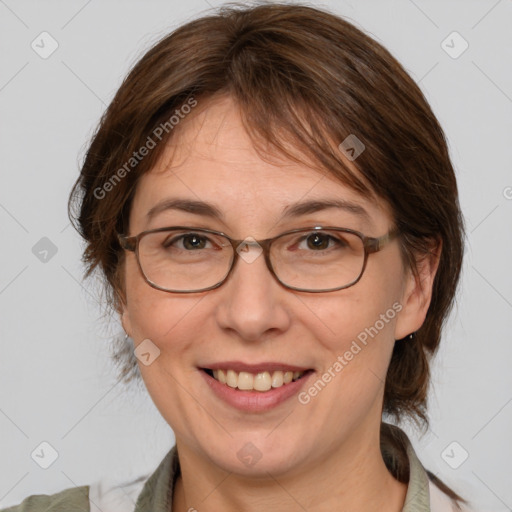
{"x": 243, "y": 246}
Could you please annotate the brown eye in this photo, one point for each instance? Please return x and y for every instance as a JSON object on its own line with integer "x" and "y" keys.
{"x": 322, "y": 241}
{"x": 318, "y": 241}
{"x": 189, "y": 241}
{"x": 194, "y": 241}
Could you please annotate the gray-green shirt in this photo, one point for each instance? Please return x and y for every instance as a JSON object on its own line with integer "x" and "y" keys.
{"x": 153, "y": 493}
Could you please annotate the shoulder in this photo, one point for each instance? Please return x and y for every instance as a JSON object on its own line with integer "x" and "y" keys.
{"x": 146, "y": 492}
{"x": 75, "y": 499}
{"x": 105, "y": 495}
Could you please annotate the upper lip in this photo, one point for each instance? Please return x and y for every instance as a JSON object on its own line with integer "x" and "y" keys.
{"x": 239, "y": 366}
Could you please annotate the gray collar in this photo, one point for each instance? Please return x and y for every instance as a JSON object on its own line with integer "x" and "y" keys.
{"x": 417, "y": 498}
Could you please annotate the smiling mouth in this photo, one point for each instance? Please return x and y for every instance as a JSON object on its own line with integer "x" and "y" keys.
{"x": 261, "y": 381}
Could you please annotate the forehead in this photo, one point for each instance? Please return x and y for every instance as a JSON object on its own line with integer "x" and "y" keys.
{"x": 212, "y": 158}
{"x": 214, "y": 132}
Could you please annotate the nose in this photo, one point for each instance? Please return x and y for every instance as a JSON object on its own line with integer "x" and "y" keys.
{"x": 251, "y": 302}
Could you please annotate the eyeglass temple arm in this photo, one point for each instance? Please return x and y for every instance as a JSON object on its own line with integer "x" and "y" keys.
{"x": 377, "y": 244}
{"x": 128, "y": 243}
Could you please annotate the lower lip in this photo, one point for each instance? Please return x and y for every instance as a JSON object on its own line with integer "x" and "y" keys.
{"x": 255, "y": 401}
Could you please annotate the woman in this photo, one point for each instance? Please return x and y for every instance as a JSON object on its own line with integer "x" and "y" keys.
{"x": 271, "y": 202}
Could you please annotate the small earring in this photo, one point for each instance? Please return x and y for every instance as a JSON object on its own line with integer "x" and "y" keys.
{"x": 411, "y": 336}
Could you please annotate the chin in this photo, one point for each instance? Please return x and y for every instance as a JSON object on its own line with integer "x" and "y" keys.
{"x": 255, "y": 454}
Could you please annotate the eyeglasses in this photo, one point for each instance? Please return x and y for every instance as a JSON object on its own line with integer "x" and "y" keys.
{"x": 182, "y": 259}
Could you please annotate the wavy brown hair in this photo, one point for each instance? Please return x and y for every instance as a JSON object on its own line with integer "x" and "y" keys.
{"x": 305, "y": 79}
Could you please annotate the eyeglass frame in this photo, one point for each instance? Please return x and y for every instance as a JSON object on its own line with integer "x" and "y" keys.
{"x": 370, "y": 244}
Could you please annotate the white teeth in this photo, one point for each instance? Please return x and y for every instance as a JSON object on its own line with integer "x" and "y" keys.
{"x": 245, "y": 381}
{"x": 263, "y": 381}
{"x": 231, "y": 379}
{"x": 221, "y": 376}
{"x": 277, "y": 379}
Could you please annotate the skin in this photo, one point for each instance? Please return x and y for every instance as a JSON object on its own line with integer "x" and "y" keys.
{"x": 321, "y": 456}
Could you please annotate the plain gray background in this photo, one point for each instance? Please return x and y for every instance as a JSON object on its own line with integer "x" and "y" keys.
{"x": 57, "y": 385}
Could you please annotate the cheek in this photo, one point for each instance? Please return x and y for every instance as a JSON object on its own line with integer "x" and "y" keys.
{"x": 355, "y": 340}
{"x": 355, "y": 327}
{"x": 336, "y": 321}
{"x": 157, "y": 315}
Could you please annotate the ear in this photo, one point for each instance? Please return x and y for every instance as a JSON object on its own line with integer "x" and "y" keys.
{"x": 417, "y": 292}
{"x": 121, "y": 308}
{"x": 126, "y": 322}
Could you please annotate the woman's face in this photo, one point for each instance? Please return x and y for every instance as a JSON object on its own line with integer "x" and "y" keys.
{"x": 344, "y": 338}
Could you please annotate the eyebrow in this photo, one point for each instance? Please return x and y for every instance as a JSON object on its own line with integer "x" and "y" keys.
{"x": 290, "y": 211}
{"x": 298, "y": 209}
{"x": 185, "y": 205}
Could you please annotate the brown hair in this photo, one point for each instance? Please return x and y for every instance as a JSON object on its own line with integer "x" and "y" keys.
{"x": 309, "y": 76}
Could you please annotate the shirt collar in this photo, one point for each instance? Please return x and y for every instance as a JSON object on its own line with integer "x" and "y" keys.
{"x": 417, "y": 498}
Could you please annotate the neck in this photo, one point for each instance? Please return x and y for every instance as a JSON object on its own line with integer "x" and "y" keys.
{"x": 352, "y": 476}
